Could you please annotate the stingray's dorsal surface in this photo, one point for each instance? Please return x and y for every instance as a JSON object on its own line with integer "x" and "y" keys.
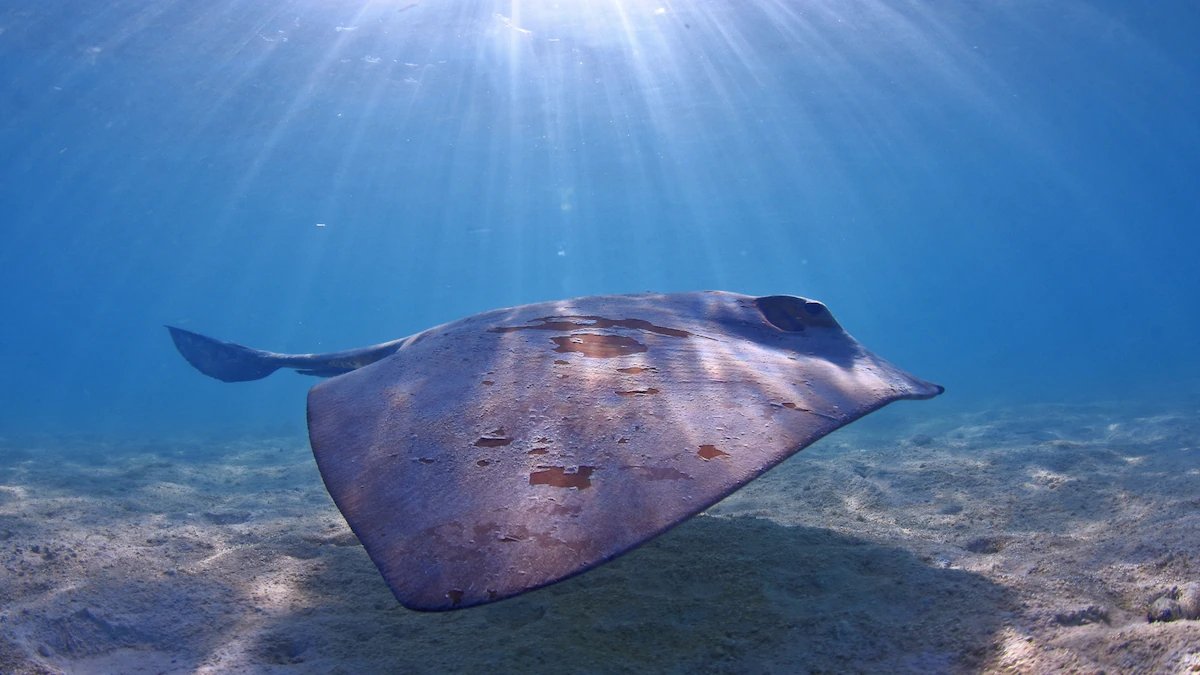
{"x": 515, "y": 448}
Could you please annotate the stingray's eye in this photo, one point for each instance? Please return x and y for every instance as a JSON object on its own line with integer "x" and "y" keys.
{"x": 792, "y": 314}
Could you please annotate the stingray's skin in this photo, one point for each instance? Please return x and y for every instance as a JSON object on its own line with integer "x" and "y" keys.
{"x": 512, "y": 449}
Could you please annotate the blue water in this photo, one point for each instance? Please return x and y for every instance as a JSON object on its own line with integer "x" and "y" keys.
{"x": 998, "y": 196}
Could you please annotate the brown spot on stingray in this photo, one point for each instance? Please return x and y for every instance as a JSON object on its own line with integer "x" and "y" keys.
{"x": 487, "y": 383}
{"x": 636, "y": 370}
{"x": 560, "y": 362}
{"x": 711, "y": 452}
{"x": 598, "y": 346}
{"x": 538, "y": 451}
{"x": 789, "y": 404}
{"x": 482, "y": 462}
{"x": 557, "y": 476}
{"x": 623, "y": 441}
{"x": 638, "y": 392}
{"x": 455, "y": 596}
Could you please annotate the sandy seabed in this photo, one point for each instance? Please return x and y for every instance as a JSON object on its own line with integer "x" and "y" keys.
{"x": 1023, "y": 540}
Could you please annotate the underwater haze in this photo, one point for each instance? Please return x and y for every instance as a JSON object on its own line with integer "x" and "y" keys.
{"x": 997, "y": 196}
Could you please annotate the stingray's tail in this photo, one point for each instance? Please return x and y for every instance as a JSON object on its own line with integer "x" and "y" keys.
{"x": 226, "y": 361}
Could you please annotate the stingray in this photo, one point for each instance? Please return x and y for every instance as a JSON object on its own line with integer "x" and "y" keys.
{"x": 502, "y": 452}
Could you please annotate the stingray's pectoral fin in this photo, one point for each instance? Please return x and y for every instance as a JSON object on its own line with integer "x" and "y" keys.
{"x": 225, "y": 361}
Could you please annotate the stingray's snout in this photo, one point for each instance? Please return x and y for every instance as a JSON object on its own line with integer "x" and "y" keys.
{"x": 921, "y": 390}
{"x": 933, "y": 390}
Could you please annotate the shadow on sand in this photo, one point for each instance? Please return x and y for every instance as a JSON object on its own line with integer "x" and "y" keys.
{"x": 714, "y": 595}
